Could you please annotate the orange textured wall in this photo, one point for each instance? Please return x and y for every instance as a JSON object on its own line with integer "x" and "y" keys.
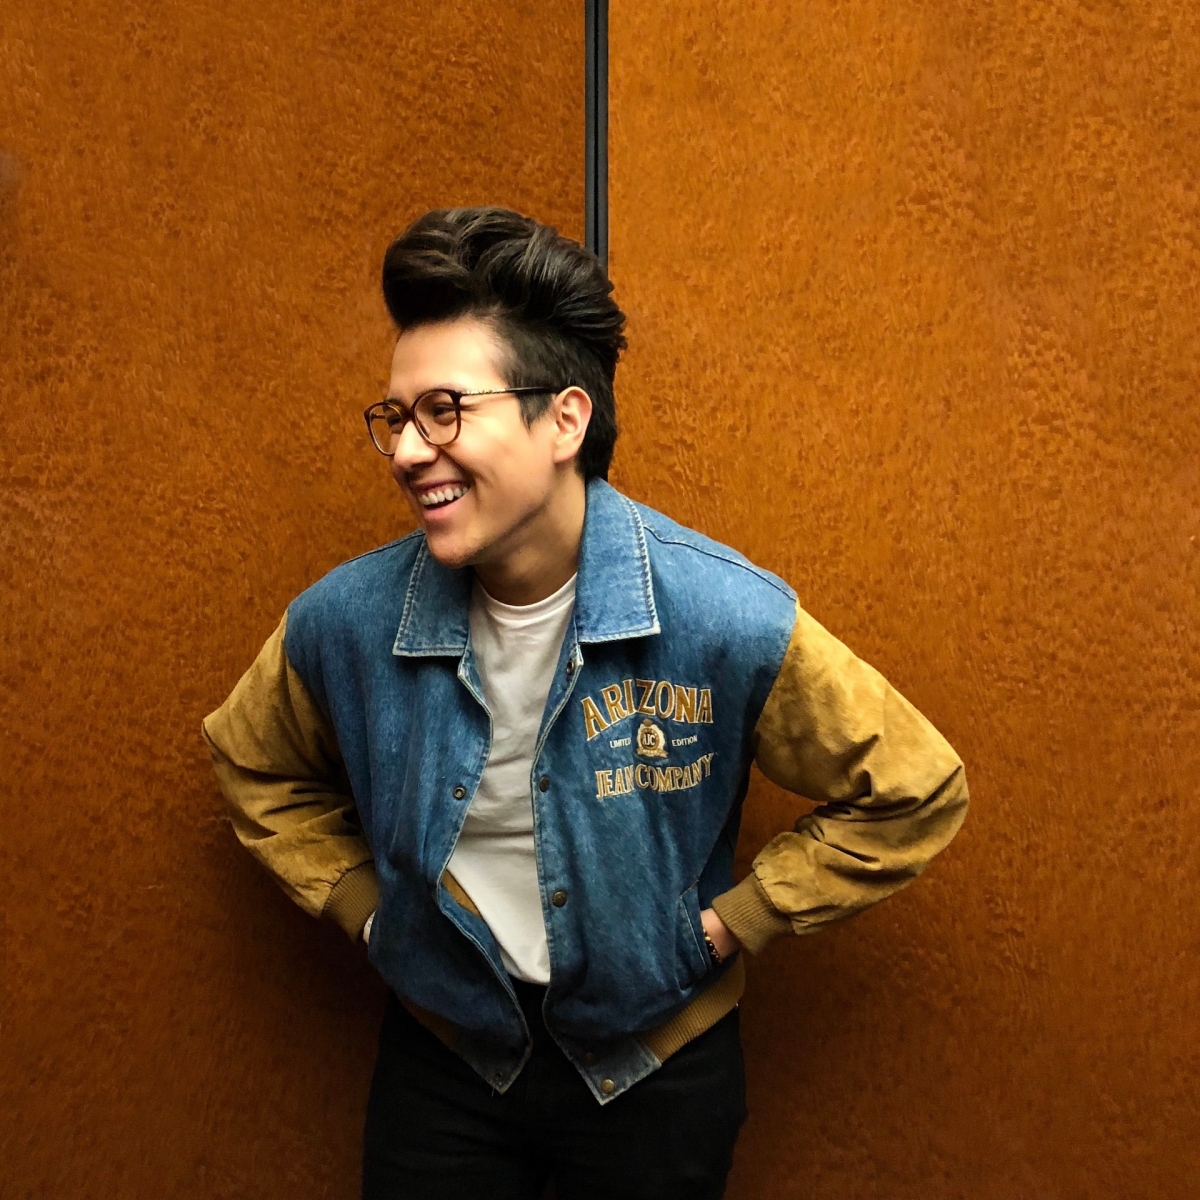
{"x": 914, "y": 291}
{"x": 194, "y": 202}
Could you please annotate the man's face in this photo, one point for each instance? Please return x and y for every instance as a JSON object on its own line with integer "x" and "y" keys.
{"x": 479, "y": 497}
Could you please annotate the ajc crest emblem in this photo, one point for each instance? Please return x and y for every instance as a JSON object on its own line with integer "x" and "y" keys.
{"x": 651, "y": 741}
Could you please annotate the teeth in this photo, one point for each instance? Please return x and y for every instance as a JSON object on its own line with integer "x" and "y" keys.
{"x": 443, "y": 495}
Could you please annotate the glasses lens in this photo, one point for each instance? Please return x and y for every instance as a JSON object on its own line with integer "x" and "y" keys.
{"x": 437, "y": 415}
{"x": 387, "y": 423}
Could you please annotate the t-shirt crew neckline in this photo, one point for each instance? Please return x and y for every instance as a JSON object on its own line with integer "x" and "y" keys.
{"x": 527, "y": 612}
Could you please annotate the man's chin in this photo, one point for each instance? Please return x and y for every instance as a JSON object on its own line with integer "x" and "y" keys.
{"x": 451, "y": 552}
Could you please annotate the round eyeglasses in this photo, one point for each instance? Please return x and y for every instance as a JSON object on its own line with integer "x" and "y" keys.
{"x": 437, "y": 414}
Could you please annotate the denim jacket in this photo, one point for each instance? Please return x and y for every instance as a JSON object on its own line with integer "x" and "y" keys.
{"x": 683, "y": 662}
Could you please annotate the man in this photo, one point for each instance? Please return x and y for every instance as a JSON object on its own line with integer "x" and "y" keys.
{"x": 510, "y": 751}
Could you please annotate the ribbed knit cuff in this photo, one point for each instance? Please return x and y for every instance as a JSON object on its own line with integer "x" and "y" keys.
{"x": 750, "y": 915}
{"x": 354, "y": 898}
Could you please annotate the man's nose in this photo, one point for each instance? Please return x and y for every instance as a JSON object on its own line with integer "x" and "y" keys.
{"x": 411, "y": 449}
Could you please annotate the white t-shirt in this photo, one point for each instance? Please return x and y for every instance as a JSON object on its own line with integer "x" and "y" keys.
{"x": 516, "y": 653}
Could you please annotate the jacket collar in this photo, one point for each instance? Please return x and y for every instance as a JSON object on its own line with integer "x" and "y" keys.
{"x": 614, "y": 594}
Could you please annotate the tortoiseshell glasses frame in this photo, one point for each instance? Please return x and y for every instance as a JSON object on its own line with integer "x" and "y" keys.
{"x": 437, "y": 414}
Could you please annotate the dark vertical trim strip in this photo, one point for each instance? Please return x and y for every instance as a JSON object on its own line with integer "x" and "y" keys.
{"x": 595, "y": 84}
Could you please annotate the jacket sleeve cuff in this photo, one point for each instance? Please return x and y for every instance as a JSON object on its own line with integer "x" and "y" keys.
{"x": 354, "y": 898}
{"x": 750, "y": 915}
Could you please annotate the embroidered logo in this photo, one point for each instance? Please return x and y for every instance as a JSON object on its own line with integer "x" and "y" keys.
{"x": 651, "y": 741}
{"x": 658, "y": 698}
{"x": 620, "y": 781}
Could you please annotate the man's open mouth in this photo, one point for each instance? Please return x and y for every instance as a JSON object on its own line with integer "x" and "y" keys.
{"x": 439, "y": 497}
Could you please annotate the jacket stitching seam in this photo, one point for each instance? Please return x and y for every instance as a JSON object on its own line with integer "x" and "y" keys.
{"x": 418, "y": 568}
{"x": 750, "y": 568}
{"x": 639, "y": 533}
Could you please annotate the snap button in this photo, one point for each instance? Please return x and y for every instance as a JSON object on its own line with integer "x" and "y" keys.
{"x": 589, "y": 1059}
{"x": 607, "y": 1086}
{"x": 460, "y": 792}
{"x": 544, "y": 783}
{"x": 570, "y": 667}
{"x": 558, "y": 899}
{"x": 498, "y": 1077}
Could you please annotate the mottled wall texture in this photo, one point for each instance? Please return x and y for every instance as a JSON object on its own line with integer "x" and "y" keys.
{"x": 194, "y": 202}
{"x": 914, "y": 294}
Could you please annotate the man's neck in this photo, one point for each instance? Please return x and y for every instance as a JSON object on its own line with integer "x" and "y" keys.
{"x": 546, "y": 554}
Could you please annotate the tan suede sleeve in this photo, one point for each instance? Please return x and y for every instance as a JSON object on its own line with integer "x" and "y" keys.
{"x": 892, "y": 792}
{"x": 277, "y": 760}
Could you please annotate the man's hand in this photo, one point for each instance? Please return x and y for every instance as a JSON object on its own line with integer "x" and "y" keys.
{"x": 722, "y": 936}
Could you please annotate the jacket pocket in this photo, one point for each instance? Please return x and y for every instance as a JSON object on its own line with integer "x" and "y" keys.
{"x": 691, "y": 956}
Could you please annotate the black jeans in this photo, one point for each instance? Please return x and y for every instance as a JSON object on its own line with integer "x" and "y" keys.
{"x": 435, "y": 1129}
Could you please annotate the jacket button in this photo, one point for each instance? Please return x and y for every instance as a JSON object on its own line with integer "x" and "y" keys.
{"x": 544, "y": 783}
{"x": 570, "y": 667}
{"x": 460, "y": 792}
{"x": 558, "y": 899}
{"x": 607, "y": 1086}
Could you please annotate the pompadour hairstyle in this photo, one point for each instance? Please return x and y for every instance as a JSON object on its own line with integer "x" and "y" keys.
{"x": 548, "y": 299}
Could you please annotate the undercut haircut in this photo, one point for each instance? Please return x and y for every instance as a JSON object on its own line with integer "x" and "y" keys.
{"x": 548, "y": 299}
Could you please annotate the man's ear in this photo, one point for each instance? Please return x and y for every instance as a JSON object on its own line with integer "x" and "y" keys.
{"x": 572, "y": 410}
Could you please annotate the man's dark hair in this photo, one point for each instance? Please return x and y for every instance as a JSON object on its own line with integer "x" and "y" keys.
{"x": 548, "y": 299}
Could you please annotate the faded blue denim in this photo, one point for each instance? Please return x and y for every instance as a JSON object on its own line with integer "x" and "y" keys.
{"x": 630, "y": 849}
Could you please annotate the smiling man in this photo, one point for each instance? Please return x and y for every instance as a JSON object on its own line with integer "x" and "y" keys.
{"x": 510, "y": 750}
{"x": 511, "y": 507}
